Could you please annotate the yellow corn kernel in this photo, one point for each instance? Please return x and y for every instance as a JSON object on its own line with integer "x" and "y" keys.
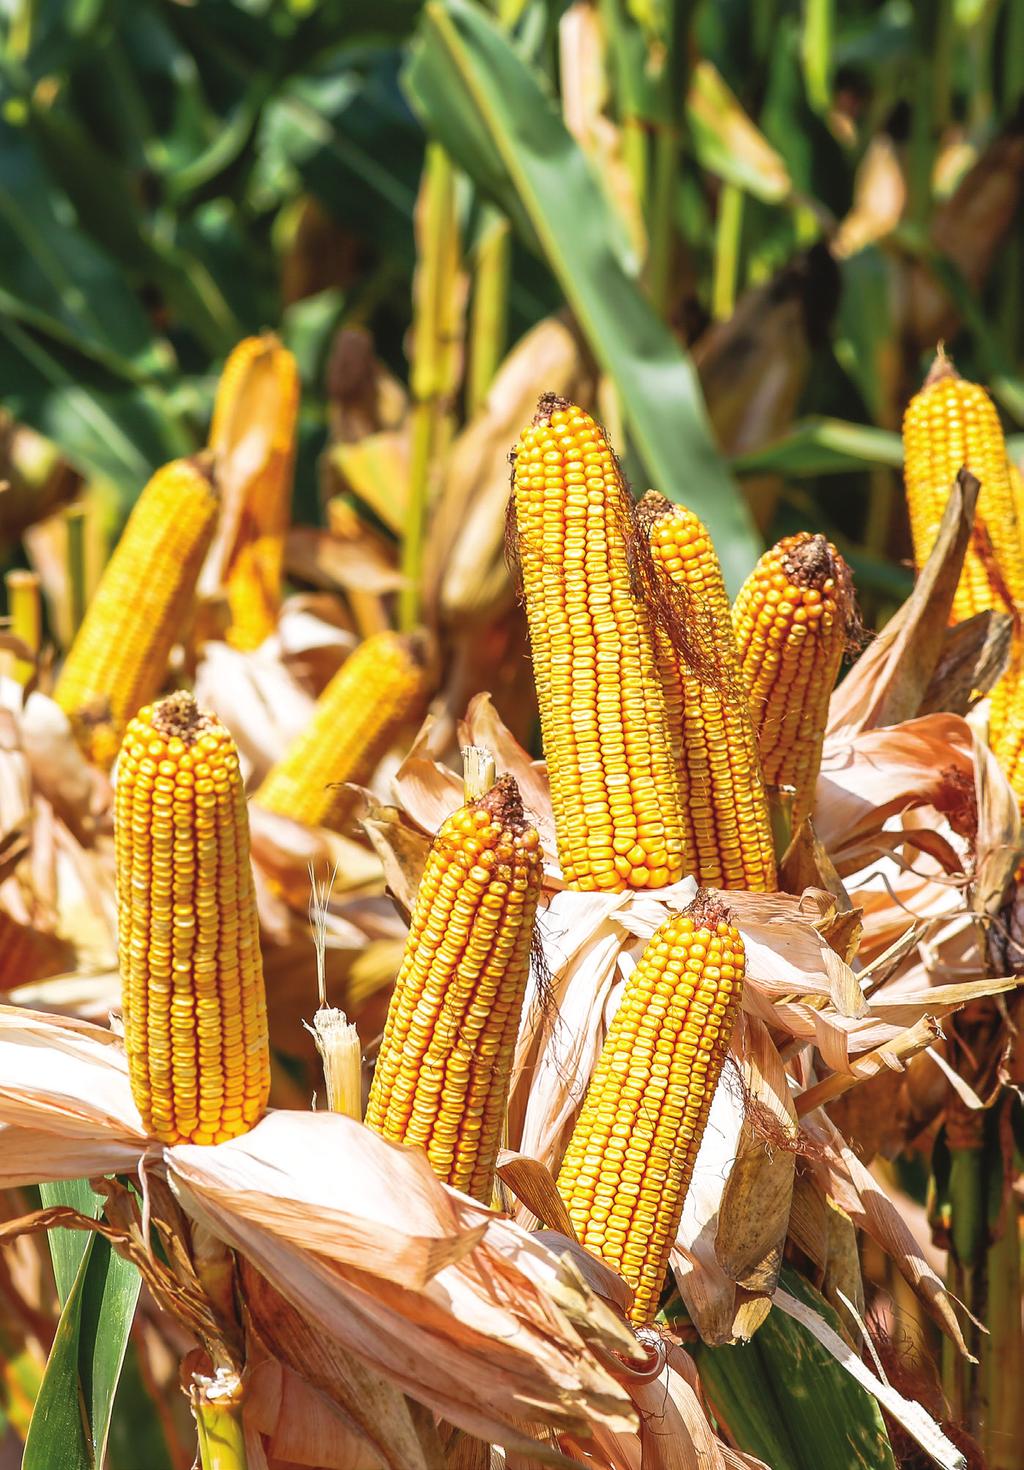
{"x": 443, "y": 1073}
{"x": 256, "y": 408}
{"x": 614, "y": 786}
{"x": 793, "y": 619}
{"x": 119, "y": 657}
{"x": 950, "y": 424}
{"x": 726, "y": 825}
{"x": 630, "y": 1158}
{"x": 195, "y": 1014}
{"x": 377, "y": 690}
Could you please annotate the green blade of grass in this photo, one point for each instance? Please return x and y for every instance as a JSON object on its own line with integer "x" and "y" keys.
{"x": 486, "y": 106}
{"x": 99, "y": 1292}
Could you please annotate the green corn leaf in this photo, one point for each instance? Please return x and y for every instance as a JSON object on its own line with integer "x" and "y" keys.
{"x": 823, "y": 446}
{"x": 785, "y": 1399}
{"x": 481, "y": 101}
{"x": 99, "y": 1292}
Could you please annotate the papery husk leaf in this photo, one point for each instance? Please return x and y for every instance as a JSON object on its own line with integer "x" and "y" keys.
{"x": 859, "y": 1194}
{"x": 478, "y": 1332}
{"x": 708, "y": 1292}
{"x": 786, "y": 955}
{"x": 316, "y": 556}
{"x": 975, "y": 656}
{"x": 893, "y": 1055}
{"x": 674, "y": 1429}
{"x": 484, "y": 726}
{"x": 257, "y": 698}
{"x": 876, "y": 774}
{"x": 377, "y": 469}
{"x": 534, "y": 1187}
{"x": 916, "y": 1420}
{"x": 806, "y": 864}
{"x": 465, "y": 569}
{"x": 67, "y": 1077}
{"x": 403, "y": 1228}
{"x": 753, "y": 1215}
{"x": 889, "y": 680}
{"x": 59, "y": 769}
{"x": 402, "y": 851}
{"x": 364, "y": 1412}
{"x": 427, "y": 790}
{"x": 302, "y": 1426}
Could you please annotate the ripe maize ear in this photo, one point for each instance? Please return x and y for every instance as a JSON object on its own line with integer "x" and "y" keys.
{"x": 118, "y": 659}
{"x": 256, "y": 408}
{"x": 614, "y": 786}
{"x": 727, "y": 830}
{"x": 378, "y": 688}
{"x": 443, "y": 1073}
{"x": 195, "y": 1015}
{"x": 949, "y": 424}
{"x": 630, "y": 1158}
{"x": 793, "y": 618}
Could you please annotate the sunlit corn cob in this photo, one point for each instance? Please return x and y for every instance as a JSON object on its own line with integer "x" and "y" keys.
{"x": 727, "y": 830}
{"x": 614, "y": 786}
{"x": 1006, "y": 702}
{"x": 195, "y": 1017}
{"x": 793, "y": 620}
{"x": 949, "y": 424}
{"x": 377, "y": 689}
{"x": 119, "y": 657}
{"x": 628, "y": 1165}
{"x": 442, "y": 1076}
{"x": 257, "y": 404}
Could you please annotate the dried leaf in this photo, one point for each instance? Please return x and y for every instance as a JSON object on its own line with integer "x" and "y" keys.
{"x": 888, "y": 682}
{"x": 753, "y": 1216}
{"x": 975, "y": 655}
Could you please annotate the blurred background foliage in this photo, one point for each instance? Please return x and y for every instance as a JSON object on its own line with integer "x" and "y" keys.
{"x": 798, "y": 197}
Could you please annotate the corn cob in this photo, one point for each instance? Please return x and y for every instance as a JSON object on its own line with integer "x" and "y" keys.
{"x": 1006, "y": 702}
{"x": 949, "y": 424}
{"x": 195, "y": 1017}
{"x": 630, "y": 1158}
{"x": 443, "y": 1073}
{"x": 257, "y": 403}
{"x": 793, "y": 618}
{"x": 727, "y": 831}
{"x": 614, "y": 787}
{"x": 377, "y": 689}
{"x": 119, "y": 657}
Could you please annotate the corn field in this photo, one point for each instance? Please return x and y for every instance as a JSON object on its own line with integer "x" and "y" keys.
{"x": 511, "y": 734}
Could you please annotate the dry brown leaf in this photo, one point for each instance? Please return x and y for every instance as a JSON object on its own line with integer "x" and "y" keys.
{"x": 465, "y": 572}
{"x": 888, "y": 682}
{"x": 975, "y": 655}
{"x": 753, "y": 1216}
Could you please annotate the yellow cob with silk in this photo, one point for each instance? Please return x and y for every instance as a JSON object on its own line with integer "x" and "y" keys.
{"x": 793, "y": 619}
{"x": 195, "y": 1016}
{"x": 726, "y": 825}
{"x": 119, "y": 657}
{"x": 614, "y": 786}
{"x": 379, "y": 688}
{"x": 445, "y": 1064}
{"x": 951, "y": 424}
{"x": 630, "y": 1159}
{"x": 256, "y": 407}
